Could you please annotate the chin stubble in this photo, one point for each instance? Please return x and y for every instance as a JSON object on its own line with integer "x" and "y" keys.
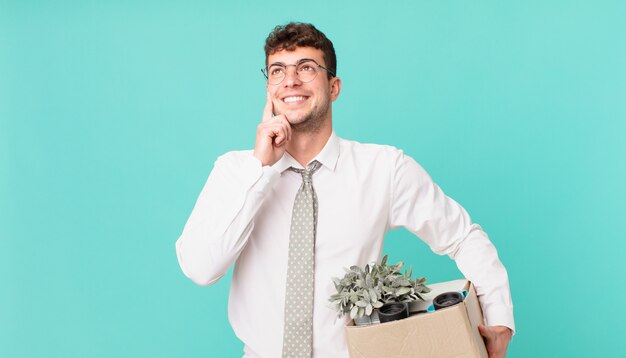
{"x": 312, "y": 122}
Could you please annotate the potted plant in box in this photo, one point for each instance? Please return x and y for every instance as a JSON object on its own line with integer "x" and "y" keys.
{"x": 362, "y": 292}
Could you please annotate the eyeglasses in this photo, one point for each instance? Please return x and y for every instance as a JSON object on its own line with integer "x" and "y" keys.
{"x": 306, "y": 71}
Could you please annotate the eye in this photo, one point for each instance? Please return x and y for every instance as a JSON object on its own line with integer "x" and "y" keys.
{"x": 307, "y": 67}
{"x": 276, "y": 71}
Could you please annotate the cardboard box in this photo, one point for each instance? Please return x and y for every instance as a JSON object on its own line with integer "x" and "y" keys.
{"x": 448, "y": 332}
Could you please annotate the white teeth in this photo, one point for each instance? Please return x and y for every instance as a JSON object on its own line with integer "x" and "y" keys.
{"x": 293, "y": 99}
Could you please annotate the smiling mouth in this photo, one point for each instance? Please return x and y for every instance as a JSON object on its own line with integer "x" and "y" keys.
{"x": 295, "y": 99}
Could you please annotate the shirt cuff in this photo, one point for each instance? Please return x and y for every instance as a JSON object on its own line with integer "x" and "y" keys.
{"x": 267, "y": 177}
{"x": 270, "y": 175}
{"x": 500, "y": 315}
{"x": 255, "y": 175}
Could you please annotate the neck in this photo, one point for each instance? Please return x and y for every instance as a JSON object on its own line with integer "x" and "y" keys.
{"x": 304, "y": 146}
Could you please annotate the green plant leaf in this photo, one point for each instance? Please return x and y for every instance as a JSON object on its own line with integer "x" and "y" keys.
{"x": 403, "y": 291}
{"x": 373, "y": 295}
{"x": 353, "y": 297}
{"x": 354, "y": 311}
{"x": 366, "y": 295}
{"x": 403, "y": 283}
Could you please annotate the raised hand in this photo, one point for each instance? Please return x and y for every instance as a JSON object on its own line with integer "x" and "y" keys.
{"x": 272, "y": 135}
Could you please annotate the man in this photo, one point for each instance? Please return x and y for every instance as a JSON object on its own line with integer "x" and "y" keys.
{"x": 305, "y": 203}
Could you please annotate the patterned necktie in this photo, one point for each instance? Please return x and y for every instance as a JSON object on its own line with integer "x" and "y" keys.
{"x": 298, "y": 331}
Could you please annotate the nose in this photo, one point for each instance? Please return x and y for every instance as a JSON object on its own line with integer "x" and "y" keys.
{"x": 291, "y": 78}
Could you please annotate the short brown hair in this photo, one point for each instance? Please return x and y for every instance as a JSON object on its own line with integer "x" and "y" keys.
{"x": 296, "y": 34}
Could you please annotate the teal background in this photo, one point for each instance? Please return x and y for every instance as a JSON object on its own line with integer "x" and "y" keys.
{"x": 111, "y": 115}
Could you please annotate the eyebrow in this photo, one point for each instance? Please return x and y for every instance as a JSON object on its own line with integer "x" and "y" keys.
{"x": 297, "y": 63}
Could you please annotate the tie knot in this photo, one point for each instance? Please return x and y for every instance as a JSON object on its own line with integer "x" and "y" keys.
{"x": 307, "y": 173}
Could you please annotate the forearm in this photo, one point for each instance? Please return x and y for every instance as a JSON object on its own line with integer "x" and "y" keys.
{"x": 223, "y": 218}
{"x": 477, "y": 258}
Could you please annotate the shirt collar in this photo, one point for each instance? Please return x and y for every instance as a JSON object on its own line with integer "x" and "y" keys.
{"x": 328, "y": 156}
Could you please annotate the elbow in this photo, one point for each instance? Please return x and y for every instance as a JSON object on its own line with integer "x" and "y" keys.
{"x": 204, "y": 280}
{"x": 201, "y": 270}
{"x": 201, "y": 276}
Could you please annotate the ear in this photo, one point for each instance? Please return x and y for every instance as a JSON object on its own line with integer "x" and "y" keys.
{"x": 335, "y": 88}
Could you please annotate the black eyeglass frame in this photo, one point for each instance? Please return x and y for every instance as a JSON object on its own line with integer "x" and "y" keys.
{"x": 265, "y": 70}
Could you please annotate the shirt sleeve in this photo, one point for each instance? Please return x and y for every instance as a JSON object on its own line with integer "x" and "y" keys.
{"x": 420, "y": 206}
{"x": 222, "y": 219}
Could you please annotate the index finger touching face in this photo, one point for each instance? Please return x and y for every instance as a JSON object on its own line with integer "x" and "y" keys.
{"x": 268, "y": 111}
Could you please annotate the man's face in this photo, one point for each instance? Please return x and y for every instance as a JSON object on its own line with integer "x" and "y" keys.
{"x": 306, "y": 105}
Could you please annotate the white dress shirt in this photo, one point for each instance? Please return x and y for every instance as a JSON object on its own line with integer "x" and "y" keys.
{"x": 243, "y": 216}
